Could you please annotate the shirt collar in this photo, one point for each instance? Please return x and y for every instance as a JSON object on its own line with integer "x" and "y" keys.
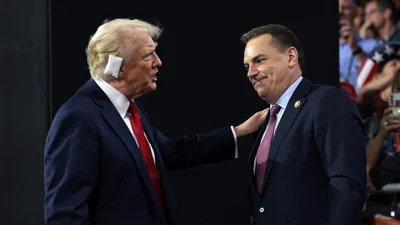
{"x": 285, "y": 97}
{"x": 119, "y": 100}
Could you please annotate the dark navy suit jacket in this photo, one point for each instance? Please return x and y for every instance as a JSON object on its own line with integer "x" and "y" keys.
{"x": 316, "y": 168}
{"x": 94, "y": 173}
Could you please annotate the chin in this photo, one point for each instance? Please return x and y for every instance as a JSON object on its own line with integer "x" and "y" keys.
{"x": 261, "y": 93}
{"x": 153, "y": 86}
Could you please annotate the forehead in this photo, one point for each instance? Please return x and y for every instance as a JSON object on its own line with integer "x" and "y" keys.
{"x": 144, "y": 42}
{"x": 371, "y": 4}
{"x": 257, "y": 46}
{"x": 345, "y": 3}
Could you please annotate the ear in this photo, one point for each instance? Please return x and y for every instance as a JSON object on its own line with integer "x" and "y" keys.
{"x": 387, "y": 13}
{"x": 122, "y": 70}
{"x": 292, "y": 56}
{"x": 121, "y": 74}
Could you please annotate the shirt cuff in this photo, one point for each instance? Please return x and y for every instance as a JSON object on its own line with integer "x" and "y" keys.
{"x": 236, "y": 147}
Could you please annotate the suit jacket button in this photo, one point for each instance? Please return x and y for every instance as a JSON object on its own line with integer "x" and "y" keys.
{"x": 261, "y": 210}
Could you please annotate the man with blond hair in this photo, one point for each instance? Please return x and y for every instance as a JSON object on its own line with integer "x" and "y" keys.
{"x": 104, "y": 163}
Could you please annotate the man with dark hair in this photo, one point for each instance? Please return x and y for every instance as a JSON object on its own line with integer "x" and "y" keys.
{"x": 308, "y": 161}
{"x": 382, "y": 14}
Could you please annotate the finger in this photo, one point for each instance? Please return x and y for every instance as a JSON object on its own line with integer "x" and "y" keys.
{"x": 344, "y": 22}
{"x": 367, "y": 23}
{"x": 388, "y": 116}
{"x": 388, "y": 111}
{"x": 346, "y": 33}
{"x": 393, "y": 127}
{"x": 393, "y": 121}
{"x": 264, "y": 113}
{"x": 345, "y": 29}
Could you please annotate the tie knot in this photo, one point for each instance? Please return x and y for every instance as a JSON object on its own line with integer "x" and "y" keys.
{"x": 132, "y": 109}
{"x": 275, "y": 110}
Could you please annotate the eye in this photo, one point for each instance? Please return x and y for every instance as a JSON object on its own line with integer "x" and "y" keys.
{"x": 260, "y": 60}
{"x": 148, "y": 57}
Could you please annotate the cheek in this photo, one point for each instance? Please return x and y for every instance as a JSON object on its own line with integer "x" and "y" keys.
{"x": 268, "y": 70}
{"x": 142, "y": 74}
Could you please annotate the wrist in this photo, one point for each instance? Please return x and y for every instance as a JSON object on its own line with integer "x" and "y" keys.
{"x": 238, "y": 131}
{"x": 381, "y": 135}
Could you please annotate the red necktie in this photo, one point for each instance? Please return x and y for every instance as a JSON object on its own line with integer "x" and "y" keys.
{"x": 144, "y": 146}
{"x": 263, "y": 149}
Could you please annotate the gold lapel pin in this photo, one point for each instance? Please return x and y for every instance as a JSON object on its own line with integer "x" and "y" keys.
{"x": 297, "y": 104}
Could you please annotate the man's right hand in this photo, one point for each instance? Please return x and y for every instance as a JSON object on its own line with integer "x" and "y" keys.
{"x": 348, "y": 34}
{"x": 389, "y": 122}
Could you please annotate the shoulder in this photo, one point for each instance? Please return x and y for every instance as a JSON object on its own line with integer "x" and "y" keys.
{"x": 368, "y": 45}
{"x": 328, "y": 100}
{"x": 77, "y": 109}
{"x": 321, "y": 92}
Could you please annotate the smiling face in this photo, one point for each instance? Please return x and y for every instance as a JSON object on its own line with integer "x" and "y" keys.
{"x": 139, "y": 72}
{"x": 269, "y": 69}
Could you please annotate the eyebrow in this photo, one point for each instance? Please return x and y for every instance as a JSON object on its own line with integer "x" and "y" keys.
{"x": 255, "y": 58}
{"x": 153, "y": 49}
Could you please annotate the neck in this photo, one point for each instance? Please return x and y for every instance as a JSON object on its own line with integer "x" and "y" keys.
{"x": 122, "y": 87}
{"x": 294, "y": 76}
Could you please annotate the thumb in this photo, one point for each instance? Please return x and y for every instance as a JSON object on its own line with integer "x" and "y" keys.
{"x": 264, "y": 113}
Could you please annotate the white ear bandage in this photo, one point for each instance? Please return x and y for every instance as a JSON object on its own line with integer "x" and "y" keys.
{"x": 113, "y": 66}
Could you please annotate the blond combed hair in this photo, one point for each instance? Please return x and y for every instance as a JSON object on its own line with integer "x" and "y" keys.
{"x": 116, "y": 37}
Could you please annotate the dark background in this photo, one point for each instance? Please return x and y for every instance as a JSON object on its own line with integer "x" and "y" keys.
{"x": 202, "y": 86}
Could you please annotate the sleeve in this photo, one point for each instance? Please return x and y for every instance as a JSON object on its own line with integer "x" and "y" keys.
{"x": 386, "y": 172}
{"x": 197, "y": 149}
{"x": 341, "y": 142}
{"x": 236, "y": 145}
{"x": 70, "y": 170}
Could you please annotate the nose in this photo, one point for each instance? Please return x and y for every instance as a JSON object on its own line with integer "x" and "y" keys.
{"x": 157, "y": 60}
{"x": 251, "y": 71}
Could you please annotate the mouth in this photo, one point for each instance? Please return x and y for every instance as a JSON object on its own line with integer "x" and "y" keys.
{"x": 257, "y": 81}
{"x": 153, "y": 78}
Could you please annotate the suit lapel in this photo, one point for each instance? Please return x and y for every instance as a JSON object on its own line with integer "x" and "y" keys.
{"x": 284, "y": 125}
{"x": 295, "y": 104}
{"x": 110, "y": 114}
{"x": 162, "y": 175}
{"x": 114, "y": 120}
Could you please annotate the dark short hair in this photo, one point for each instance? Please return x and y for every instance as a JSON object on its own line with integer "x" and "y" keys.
{"x": 386, "y": 4}
{"x": 282, "y": 39}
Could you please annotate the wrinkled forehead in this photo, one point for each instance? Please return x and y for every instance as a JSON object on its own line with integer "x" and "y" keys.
{"x": 144, "y": 41}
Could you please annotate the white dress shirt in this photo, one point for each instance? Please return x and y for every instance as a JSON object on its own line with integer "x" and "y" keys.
{"x": 282, "y": 102}
{"x": 121, "y": 103}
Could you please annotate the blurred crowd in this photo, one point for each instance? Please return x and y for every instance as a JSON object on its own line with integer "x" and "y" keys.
{"x": 369, "y": 60}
